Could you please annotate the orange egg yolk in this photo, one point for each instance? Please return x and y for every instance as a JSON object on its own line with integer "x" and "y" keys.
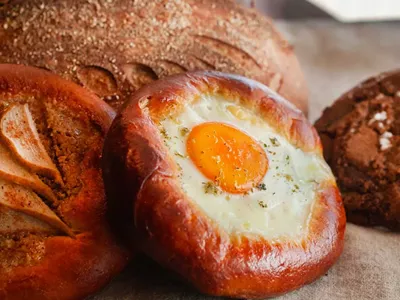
{"x": 227, "y": 156}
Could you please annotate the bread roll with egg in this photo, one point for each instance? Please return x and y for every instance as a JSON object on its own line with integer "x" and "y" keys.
{"x": 221, "y": 180}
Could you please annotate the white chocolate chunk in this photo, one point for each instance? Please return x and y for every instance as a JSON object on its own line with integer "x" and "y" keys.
{"x": 384, "y": 140}
{"x": 379, "y": 116}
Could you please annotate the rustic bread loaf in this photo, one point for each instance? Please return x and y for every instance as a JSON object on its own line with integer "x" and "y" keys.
{"x": 115, "y": 47}
{"x": 55, "y": 242}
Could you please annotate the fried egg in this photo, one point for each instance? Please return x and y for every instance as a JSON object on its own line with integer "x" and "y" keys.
{"x": 239, "y": 171}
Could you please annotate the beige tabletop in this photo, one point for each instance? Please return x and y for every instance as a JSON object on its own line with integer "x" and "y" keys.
{"x": 334, "y": 58}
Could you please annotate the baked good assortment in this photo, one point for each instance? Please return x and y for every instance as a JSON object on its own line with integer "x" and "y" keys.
{"x": 223, "y": 181}
{"x": 54, "y": 240}
{"x": 212, "y": 175}
{"x": 115, "y": 47}
{"x": 361, "y": 137}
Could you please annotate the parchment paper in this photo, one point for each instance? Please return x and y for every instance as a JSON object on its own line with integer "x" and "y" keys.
{"x": 334, "y": 58}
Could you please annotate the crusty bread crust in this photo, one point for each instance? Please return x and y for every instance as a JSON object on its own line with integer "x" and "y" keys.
{"x": 114, "y": 48}
{"x": 154, "y": 214}
{"x": 71, "y": 268}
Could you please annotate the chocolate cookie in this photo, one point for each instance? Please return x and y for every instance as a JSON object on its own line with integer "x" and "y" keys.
{"x": 54, "y": 240}
{"x": 361, "y": 138}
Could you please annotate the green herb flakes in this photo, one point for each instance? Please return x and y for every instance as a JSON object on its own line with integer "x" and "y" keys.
{"x": 164, "y": 134}
{"x": 179, "y": 154}
{"x": 262, "y": 204}
{"x": 274, "y": 142}
{"x": 184, "y": 131}
{"x": 262, "y": 187}
{"x": 211, "y": 188}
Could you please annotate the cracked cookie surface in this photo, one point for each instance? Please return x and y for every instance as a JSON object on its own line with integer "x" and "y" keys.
{"x": 361, "y": 138}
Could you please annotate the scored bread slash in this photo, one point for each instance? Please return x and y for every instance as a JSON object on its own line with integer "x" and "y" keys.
{"x": 14, "y": 221}
{"x": 20, "y": 199}
{"x": 18, "y": 130}
{"x": 23, "y": 154}
{"x": 11, "y": 170}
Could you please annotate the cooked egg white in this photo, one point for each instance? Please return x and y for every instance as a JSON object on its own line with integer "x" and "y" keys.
{"x": 277, "y": 206}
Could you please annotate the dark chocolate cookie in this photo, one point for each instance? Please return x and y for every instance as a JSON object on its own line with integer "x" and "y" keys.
{"x": 361, "y": 138}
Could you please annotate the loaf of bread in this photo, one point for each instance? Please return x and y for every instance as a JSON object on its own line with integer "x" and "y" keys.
{"x": 113, "y": 47}
{"x": 55, "y": 242}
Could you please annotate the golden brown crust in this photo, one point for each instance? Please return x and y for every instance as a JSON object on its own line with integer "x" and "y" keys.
{"x": 115, "y": 48}
{"x": 155, "y": 214}
{"x": 70, "y": 268}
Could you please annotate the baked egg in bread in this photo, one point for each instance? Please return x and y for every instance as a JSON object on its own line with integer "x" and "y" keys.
{"x": 239, "y": 171}
{"x": 221, "y": 180}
